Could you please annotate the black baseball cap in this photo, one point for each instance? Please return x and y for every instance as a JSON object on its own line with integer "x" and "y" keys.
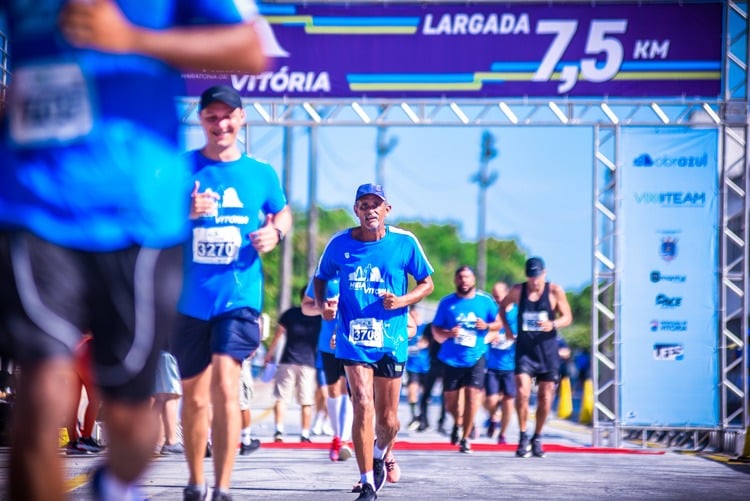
{"x": 534, "y": 267}
{"x": 222, "y": 94}
{"x": 370, "y": 189}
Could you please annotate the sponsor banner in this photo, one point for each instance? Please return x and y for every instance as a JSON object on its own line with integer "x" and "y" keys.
{"x": 668, "y": 234}
{"x": 484, "y": 50}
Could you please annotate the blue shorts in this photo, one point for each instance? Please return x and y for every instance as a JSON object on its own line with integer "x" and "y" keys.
{"x": 500, "y": 383}
{"x": 235, "y": 333}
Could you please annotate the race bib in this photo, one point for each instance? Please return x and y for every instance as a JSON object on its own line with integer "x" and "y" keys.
{"x": 217, "y": 245}
{"x": 532, "y": 320}
{"x": 366, "y": 332}
{"x": 502, "y": 343}
{"x": 50, "y": 102}
{"x": 466, "y": 338}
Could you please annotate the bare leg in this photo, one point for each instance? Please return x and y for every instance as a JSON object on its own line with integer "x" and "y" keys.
{"x": 452, "y": 405}
{"x": 387, "y": 392}
{"x": 546, "y": 395}
{"x": 472, "y": 399}
{"x": 225, "y": 426}
{"x": 306, "y": 416}
{"x": 361, "y": 382}
{"x": 195, "y": 422}
{"x": 131, "y": 432}
{"x": 523, "y": 383}
{"x": 43, "y": 401}
{"x": 506, "y": 404}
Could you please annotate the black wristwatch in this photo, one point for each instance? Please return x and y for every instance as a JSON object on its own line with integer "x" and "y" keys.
{"x": 279, "y": 233}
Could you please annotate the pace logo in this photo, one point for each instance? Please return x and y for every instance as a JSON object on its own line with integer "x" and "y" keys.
{"x": 657, "y": 276}
{"x": 668, "y": 248}
{"x": 669, "y": 351}
{"x": 667, "y": 302}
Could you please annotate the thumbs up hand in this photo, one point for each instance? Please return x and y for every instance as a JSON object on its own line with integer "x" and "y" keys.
{"x": 204, "y": 203}
{"x": 265, "y": 238}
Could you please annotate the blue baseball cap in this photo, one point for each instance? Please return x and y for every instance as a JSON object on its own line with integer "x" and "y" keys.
{"x": 222, "y": 94}
{"x": 534, "y": 267}
{"x": 370, "y": 189}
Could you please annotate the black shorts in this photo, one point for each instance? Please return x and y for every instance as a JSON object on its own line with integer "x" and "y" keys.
{"x": 415, "y": 378}
{"x": 127, "y": 298}
{"x": 456, "y": 378}
{"x": 235, "y": 333}
{"x": 385, "y": 367}
{"x": 333, "y": 368}
{"x": 500, "y": 383}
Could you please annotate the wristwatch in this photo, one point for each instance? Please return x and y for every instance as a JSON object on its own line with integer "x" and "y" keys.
{"x": 279, "y": 233}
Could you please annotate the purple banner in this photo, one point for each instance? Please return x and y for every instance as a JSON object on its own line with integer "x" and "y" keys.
{"x": 485, "y": 50}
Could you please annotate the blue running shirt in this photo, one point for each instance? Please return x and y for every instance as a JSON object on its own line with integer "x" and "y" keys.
{"x": 89, "y": 147}
{"x": 466, "y": 349}
{"x": 328, "y": 327}
{"x": 222, "y": 270}
{"x": 366, "y": 270}
{"x": 419, "y": 358}
{"x": 501, "y": 355}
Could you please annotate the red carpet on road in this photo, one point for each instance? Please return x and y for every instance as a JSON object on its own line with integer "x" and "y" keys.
{"x": 479, "y": 447}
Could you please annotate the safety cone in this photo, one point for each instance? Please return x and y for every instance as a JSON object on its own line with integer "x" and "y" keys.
{"x": 62, "y": 437}
{"x": 565, "y": 399}
{"x": 586, "y": 416}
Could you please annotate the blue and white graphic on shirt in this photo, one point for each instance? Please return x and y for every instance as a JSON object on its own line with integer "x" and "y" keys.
{"x": 468, "y": 347}
{"x": 327, "y": 327}
{"x": 366, "y": 331}
{"x": 90, "y": 149}
{"x": 419, "y": 358}
{"x": 501, "y": 355}
{"x": 222, "y": 270}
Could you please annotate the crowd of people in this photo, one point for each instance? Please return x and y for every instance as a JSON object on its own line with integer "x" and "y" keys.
{"x": 133, "y": 270}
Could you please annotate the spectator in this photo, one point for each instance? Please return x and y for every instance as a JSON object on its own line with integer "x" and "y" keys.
{"x": 167, "y": 394}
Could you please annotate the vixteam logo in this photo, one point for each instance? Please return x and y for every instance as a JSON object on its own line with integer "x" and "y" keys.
{"x": 668, "y": 248}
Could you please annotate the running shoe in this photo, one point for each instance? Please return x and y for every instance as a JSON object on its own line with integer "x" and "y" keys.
{"x": 345, "y": 452}
{"x": 393, "y": 470}
{"x": 304, "y": 440}
{"x": 278, "y": 437}
{"x": 75, "y": 448}
{"x": 454, "y": 435}
{"x": 168, "y": 449}
{"x": 367, "y": 493}
{"x": 536, "y": 447}
{"x": 334, "y": 453}
{"x": 465, "y": 447}
{"x": 378, "y": 470}
{"x": 524, "y": 447}
{"x": 218, "y": 495}
{"x": 357, "y": 487}
{"x": 90, "y": 444}
{"x": 414, "y": 424}
{"x": 501, "y": 440}
{"x": 491, "y": 428}
{"x": 193, "y": 493}
{"x": 253, "y": 446}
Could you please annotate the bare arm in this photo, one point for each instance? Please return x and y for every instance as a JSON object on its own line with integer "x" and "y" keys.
{"x": 266, "y": 238}
{"x": 562, "y": 307}
{"x": 271, "y": 352}
{"x": 423, "y": 289}
{"x": 101, "y": 25}
{"x": 442, "y": 335}
{"x": 513, "y": 297}
{"x": 309, "y": 307}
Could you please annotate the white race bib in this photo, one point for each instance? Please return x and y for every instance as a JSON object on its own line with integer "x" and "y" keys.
{"x": 503, "y": 343}
{"x": 466, "y": 338}
{"x": 532, "y": 320}
{"x": 366, "y": 332}
{"x": 217, "y": 245}
{"x": 51, "y": 102}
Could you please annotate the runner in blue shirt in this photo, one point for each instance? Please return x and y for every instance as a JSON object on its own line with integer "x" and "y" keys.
{"x": 90, "y": 196}
{"x": 499, "y": 382}
{"x": 339, "y": 404}
{"x": 417, "y": 368}
{"x": 373, "y": 262}
{"x": 222, "y": 291}
{"x": 461, "y": 322}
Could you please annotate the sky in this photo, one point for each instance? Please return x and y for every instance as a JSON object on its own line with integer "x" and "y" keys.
{"x": 542, "y": 197}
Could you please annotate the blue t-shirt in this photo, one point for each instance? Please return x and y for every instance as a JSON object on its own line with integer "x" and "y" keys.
{"x": 365, "y": 330}
{"x": 466, "y": 349}
{"x": 419, "y": 358}
{"x": 89, "y": 147}
{"x": 328, "y": 327}
{"x": 501, "y": 355}
{"x": 222, "y": 270}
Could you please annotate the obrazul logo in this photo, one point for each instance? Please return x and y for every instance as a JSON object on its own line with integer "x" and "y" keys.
{"x": 684, "y": 161}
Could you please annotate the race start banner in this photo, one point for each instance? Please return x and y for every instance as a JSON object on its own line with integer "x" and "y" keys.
{"x": 483, "y": 50}
{"x": 667, "y": 253}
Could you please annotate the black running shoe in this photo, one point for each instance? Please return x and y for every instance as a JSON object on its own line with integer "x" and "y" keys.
{"x": 378, "y": 470}
{"x": 536, "y": 447}
{"x": 524, "y": 447}
{"x": 254, "y": 445}
{"x": 491, "y": 427}
{"x": 192, "y": 493}
{"x": 454, "y": 435}
{"x": 367, "y": 493}
{"x": 465, "y": 447}
{"x": 219, "y": 495}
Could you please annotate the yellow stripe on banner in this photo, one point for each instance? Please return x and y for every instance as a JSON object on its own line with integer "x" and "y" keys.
{"x": 489, "y": 76}
{"x": 668, "y": 75}
{"x": 360, "y": 30}
{"x": 415, "y": 86}
{"x": 289, "y": 19}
